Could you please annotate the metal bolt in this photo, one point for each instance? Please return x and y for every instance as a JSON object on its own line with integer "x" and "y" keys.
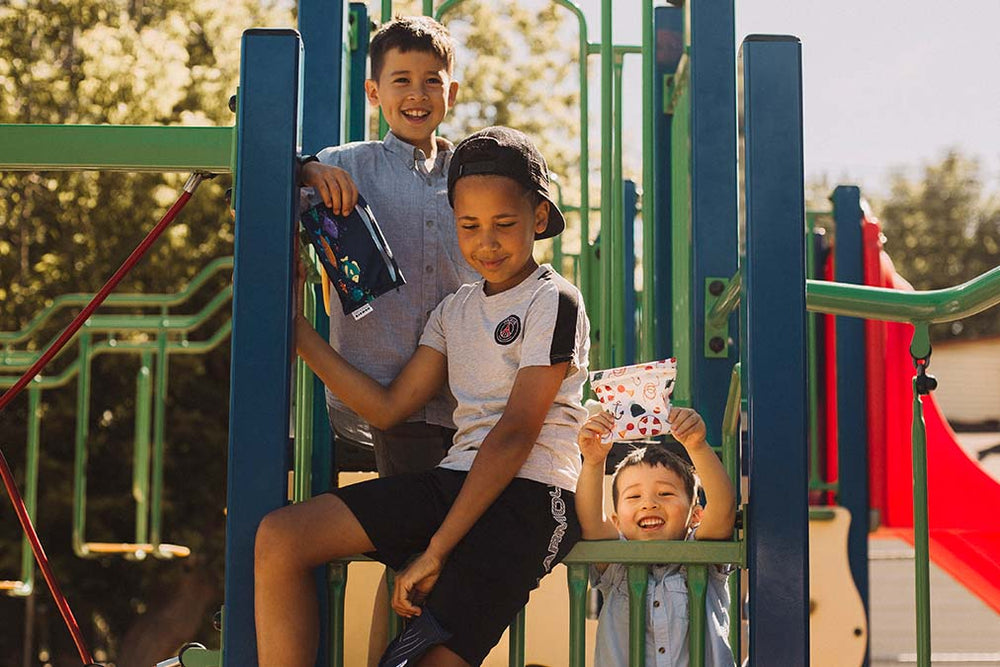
{"x": 716, "y": 344}
{"x": 232, "y": 103}
{"x": 715, "y": 287}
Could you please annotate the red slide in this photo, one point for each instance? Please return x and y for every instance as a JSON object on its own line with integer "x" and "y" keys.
{"x": 963, "y": 500}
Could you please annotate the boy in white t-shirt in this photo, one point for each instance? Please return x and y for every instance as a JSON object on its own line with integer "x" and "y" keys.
{"x": 472, "y": 537}
{"x": 655, "y": 497}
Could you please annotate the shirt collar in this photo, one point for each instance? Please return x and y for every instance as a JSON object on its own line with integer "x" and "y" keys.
{"x": 409, "y": 153}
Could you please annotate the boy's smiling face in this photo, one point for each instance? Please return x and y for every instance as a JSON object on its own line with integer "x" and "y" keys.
{"x": 415, "y": 92}
{"x": 652, "y": 504}
{"x": 496, "y": 225}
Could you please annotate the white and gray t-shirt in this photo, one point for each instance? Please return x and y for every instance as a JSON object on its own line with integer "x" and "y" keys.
{"x": 488, "y": 339}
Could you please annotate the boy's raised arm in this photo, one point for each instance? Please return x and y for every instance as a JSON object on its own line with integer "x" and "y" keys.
{"x": 719, "y": 514}
{"x": 595, "y": 525}
{"x": 503, "y": 452}
{"x": 382, "y": 407}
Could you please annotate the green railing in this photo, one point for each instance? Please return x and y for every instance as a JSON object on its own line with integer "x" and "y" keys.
{"x": 921, "y": 309}
{"x": 164, "y": 334}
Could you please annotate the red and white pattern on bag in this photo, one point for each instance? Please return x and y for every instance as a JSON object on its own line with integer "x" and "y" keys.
{"x": 638, "y": 396}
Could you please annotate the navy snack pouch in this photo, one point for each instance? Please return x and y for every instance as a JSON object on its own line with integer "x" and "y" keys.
{"x": 354, "y": 254}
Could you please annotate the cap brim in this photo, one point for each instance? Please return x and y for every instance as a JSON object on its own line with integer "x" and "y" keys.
{"x": 557, "y": 223}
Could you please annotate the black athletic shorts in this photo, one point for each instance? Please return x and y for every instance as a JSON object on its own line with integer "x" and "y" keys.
{"x": 486, "y": 579}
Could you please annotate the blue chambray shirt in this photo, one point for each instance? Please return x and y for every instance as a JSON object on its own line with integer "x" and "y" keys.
{"x": 412, "y": 209}
{"x": 666, "y": 617}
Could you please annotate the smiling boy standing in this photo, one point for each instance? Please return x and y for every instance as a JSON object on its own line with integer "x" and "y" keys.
{"x": 404, "y": 180}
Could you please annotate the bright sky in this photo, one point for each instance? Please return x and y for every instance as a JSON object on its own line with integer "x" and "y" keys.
{"x": 889, "y": 83}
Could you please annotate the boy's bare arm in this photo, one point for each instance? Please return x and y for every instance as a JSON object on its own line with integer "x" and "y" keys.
{"x": 380, "y": 406}
{"x": 334, "y": 185}
{"x": 719, "y": 515}
{"x": 589, "y": 497}
{"x": 501, "y": 455}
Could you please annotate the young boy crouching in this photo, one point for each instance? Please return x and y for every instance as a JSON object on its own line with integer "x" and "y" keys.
{"x": 655, "y": 497}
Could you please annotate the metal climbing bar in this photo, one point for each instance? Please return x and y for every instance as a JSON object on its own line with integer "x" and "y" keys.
{"x": 116, "y": 148}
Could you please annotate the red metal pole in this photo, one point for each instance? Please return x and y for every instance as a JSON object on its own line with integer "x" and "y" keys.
{"x": 8, "y": 396}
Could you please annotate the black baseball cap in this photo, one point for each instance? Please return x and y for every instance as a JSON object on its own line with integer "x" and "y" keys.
{"x": 504, "y": 151}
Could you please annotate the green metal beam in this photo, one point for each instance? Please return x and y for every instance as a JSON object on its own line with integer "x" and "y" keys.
{"x": 116, "y": 148}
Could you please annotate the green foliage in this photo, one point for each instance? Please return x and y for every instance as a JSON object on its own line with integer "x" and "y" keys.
{"x": 172, "y": 62}
{"x": 943, "y": 229}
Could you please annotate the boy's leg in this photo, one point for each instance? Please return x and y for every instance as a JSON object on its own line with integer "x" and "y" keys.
{"x": 408, "y": 447}
{"x": 441, "y": 656}
{"x": 291, "y": 541}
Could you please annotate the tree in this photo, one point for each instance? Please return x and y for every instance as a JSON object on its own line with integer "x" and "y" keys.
{"x": 943, "y": 229}
{"x": 123, "y": 62}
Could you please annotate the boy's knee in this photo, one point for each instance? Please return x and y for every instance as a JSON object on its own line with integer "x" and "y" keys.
{"x": 274, "y": 539}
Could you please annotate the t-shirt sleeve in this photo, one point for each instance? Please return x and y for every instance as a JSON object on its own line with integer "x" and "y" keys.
{"x": 433, "y": 336}
{"x": 550, "y": 329}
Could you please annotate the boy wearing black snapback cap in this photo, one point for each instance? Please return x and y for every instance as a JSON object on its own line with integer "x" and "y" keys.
{"x": 472, "y": 537}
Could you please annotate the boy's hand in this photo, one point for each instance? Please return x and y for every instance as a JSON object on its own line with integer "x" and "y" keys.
{"x": 414, "y": 584}
{"x": 594, "y": 440}
{"x": 333, "y": 184}
{"x": 688, "y": 427}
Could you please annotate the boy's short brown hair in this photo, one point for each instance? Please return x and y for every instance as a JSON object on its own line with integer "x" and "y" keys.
{"x": 412, "y": 33}
{"x": 657, "y": 455}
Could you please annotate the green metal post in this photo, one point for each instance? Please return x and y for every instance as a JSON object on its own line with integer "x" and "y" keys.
{"x": 616, "y": 249}
{"x": 428, "y": 7}
{"x": 920, "y": 348}
{"x": 576, "y": 579}
{"x": 607, "y": 183}
{"x": 80, "y": 447}
{"x": 337, "y": 573}
{"x": 30, "y": 487}
{"x": 383, "y": 126}
{"x": 647, "y": 332}
{"x": 140, "y": 454}
{"x": 395, "y": 622}
{"x": 812, "y": 361}
{"x": 697, "y": 581}
{"x": 515, "y": 643}
{"x": 637, "y": 580}
{"x": 159, "y": 432}
{"x": 302, "y": 489}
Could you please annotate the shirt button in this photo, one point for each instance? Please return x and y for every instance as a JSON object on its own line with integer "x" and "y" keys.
{"x": 656, "y": 603}
{"x": 429, "y": 269}
{"x": 429, "y": 182}
{"x": 662, "y": 650}
{"x": 430, "y": 223}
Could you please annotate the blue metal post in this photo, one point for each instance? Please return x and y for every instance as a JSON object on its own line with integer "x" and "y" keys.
{"x": 629, "y": 208}
{"x": 266, "y": 207}
{"x": 852, "y": 396}
{"x": 774, "y": 351}
{"x": 323, "y": 24}
{"x": 669, "y": 30}
{"x": 357, "y": 101}
{"x": 713, "y": 193}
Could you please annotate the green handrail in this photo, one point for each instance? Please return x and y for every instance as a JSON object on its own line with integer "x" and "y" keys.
{"x": 83, "y": 298}
{"x": 880, "y": 303}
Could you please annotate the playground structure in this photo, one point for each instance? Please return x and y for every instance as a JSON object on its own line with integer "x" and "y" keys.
{"x": 694, "y": 276}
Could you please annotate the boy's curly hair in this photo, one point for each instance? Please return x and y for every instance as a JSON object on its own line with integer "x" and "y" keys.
{"x": 657, "y": 455}
{"x": 412, "y": 33}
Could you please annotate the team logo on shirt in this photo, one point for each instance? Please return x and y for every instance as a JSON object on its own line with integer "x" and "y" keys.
{"x": 508, "y": 330}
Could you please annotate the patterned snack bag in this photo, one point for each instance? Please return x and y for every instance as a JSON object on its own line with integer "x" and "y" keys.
{"x": 638, "y": 396}
{"x": 355, "y": 257}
